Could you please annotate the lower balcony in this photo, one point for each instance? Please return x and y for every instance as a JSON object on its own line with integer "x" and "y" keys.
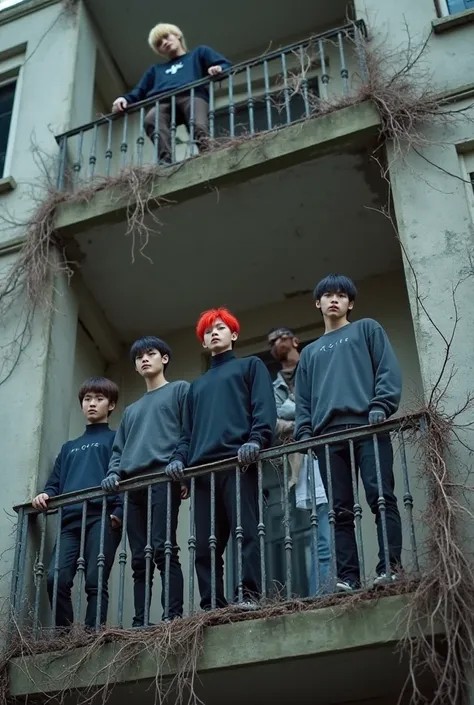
{"x": 301, "y": 632}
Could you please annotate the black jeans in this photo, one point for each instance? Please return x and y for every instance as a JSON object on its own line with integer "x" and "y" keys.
{"x": 226, "y": 521}
{"x": 137, "y": 537}
{"x": 69, "y": 549}
{"x": 346, "y": 547}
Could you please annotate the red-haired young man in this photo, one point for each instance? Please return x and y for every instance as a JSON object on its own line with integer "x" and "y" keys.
{"x": 230, "y": 411}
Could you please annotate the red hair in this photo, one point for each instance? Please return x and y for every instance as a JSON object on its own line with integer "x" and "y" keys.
{"x": 208, "y": 318}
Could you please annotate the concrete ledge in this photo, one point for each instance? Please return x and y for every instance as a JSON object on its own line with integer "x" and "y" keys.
{"x": 7, "y": 184}
{"x": 444, "y": 24}
{"x": 374, "y": 623}
{"x": 271, "y": 151}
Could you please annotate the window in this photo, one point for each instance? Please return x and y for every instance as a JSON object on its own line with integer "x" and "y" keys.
{"x": 471, "y": 176}
{"x": 7, "y": 95}
{"x": 451, "y": 7}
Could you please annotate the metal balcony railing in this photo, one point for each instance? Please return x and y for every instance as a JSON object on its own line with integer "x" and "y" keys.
{"x": 286, "y": 540}
{"x": 265, "y": 93}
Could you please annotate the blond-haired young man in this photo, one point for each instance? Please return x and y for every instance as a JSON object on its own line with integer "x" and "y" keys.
{"x": 181, "y": 68}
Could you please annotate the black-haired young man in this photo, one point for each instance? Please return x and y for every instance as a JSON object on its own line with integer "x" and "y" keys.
{"x": 83, "y": 463}
{"x": 347, "y": 378}
{"x": 146, "y": 439}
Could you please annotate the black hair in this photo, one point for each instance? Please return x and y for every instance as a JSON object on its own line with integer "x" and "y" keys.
{"x": 149, "y": 342}
{"x": 99, "y": 385}
{"x": 335, "y": 284}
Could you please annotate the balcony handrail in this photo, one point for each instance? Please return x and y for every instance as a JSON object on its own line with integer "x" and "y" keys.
{"x": 143, "y": 481}
{"x": 236, "y": 68}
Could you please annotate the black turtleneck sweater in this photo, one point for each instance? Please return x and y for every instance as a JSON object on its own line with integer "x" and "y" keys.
{"x": 231, "y": 404}
{"x": 82, "y": 464}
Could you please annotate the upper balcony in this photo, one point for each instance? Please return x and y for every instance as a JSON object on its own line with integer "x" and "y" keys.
{"x": 255, "y": 98}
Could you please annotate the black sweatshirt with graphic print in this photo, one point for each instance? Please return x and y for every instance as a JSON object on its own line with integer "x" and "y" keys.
{"x": 81, "y": 464}
{"x": 343, "y": 375}
{"x": 231, "y": 404}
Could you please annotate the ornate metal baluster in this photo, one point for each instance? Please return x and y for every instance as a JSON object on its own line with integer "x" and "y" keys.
{"x": 212, "y": 110}
{"x": 173, "y": 129}
{"x": 261, "y": 530}
{"x": 76, "y": 167}
{"x": 213, "y": 539}
{"x": 81, "y": 562}
{"x": 304, "y": 81}
{"x": 148, "y": 557}
{"x": 239, "y": 535}
{"x": 156, "y": 134}
{"x": 250, "y": 101}
{"x": 100, "y": 565}
{"x": 141, "y": 137}
{"x": 324, "y": 74}
{"x": 124, "y": 145}
{"x": 168, "y": 549}
{"x": 408, "y": 501}
{"x": 122, "y": 561}
{"x": 93, "y": 153}
{"x": 344, "y": 70}
{"x": 313, "y": 519}
{"x": 108, "y": 151}
{"x": 357, "y": 512}
{"x": 231, "y": 106}
{"x": 286, "y": 91}
{"x": 192, "y": 544}
{"x": 331, "y": 517}
{"x": 382, "y": 506}
{"x": 39, "y": 573}
{"x": 54, "y": 602}
{"x": 287, "y": 526}
{"x": 192, "y": 121}
{"x": 268, "y": 100}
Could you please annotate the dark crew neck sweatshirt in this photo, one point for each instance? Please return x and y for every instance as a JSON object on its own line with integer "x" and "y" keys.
{"x": 149, "y": 430}
{"x": 343, "y": 375}
{"x": 231, "y": 404}
{"x": 82, "y": 464}
{"x": 178, "y": 73}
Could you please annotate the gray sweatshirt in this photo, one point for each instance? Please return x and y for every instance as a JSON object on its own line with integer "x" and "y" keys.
{"x": 343, "y": 375}
{"x": 149, "y": 430}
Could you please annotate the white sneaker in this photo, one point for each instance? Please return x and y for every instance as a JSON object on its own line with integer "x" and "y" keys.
{"x": 248, "y": 605}
{"x": 384, "y": 579}
{"x": 345, "y": 586}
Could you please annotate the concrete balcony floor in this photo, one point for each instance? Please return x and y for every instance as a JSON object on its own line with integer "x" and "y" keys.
{"x": 331, "y": 655}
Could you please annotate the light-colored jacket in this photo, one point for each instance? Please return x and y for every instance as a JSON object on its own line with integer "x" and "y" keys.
{"x": 286, "y": 413}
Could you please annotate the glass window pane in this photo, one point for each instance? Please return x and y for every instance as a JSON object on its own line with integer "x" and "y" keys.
{"x": 7, "y": 95}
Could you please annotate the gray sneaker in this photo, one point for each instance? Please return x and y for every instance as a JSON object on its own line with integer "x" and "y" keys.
{"x": 345, "y": 586}
{"x": 247, "y": 605}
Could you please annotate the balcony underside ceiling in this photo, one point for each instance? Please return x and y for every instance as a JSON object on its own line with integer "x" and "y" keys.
{"x": 244, "y": 246}
{"x": 238, "y": 30}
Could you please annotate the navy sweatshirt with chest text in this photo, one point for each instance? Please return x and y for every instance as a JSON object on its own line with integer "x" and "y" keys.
{"x": 178, "y": 73}
{"x": 231, "y": 404}
{"x": 81, "y": 464}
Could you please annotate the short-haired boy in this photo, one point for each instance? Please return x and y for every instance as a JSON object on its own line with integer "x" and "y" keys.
{"x": 83, "y": 463}
{"x": 350, "y": 377}
{"x": 230, "y": 412}
{"x": 181, "y": 68}
{"x": 145, "y": 441}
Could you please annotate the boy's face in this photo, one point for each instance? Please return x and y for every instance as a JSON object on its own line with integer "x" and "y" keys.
{"x": 281, "y": 343}
{"x": 169, "y": 45}
{"x": 96, "y": 407}
{"x": 334, "y": 305}
{"x": 218, "y": 338}
{"x": 150, "y": 363}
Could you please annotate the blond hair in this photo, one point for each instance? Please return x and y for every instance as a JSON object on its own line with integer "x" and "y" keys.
{"x": 162, "y": 30}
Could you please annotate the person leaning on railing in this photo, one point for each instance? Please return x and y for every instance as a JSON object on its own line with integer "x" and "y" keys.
{"x": 350, "y": 377}
{"x": 181, "y": 68}
{"x": 284, "y": 345}
{"x": 230, "y": 412}
{"x": 83, "y": 463}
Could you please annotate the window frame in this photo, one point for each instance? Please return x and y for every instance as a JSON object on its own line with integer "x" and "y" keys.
{"x": 444, "y": 11}
{"x": 6, "y": 165}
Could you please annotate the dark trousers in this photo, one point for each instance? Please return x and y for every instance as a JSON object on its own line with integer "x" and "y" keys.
{"x": 346, "y": 547}
{"x": 226, "y": 521}
{"x": 69, "y": 552}
{"x": 183, "y": 117}
{"x": 137, "y": 537}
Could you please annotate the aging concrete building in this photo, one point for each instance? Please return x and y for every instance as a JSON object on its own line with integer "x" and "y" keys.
{"x": 292, "y": 191}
